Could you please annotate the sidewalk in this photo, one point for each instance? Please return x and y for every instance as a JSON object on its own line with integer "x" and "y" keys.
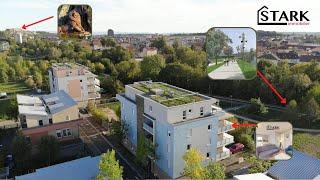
{"x": 231, "y": 71}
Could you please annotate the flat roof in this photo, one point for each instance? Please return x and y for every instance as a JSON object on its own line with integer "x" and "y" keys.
{"x": 254, "y": 176}
{"x": 58, "y": 101}
{"x": 32, "y": 110}
{"x": 166, "y": 94}
{"x": 80, "y": 169}
{"x": 23, "y": 99}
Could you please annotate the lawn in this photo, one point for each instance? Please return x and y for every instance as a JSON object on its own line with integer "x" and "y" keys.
{"x": 213, "y": 67}
{"x": 307, "y": 143}
{"x": 115, "y": 106}
{"x": 13, "y": 87}
{"x": 249, "y": 71}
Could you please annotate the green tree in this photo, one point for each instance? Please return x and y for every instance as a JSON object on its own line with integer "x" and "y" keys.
{"x": 108, "y": 42}
{"x": 216, "y": 40}
{"x": 21, "y": 150}
{"x": 99, "y": 67}
{"x": 30, "y": 82}
{"x": 159, "y": 43}
{"x": 314, "y": 92}
{"x": 193, "y": 164}
{"x": 13, "y": 108}
{"x": 3, "y": 75}
{"x": 145, "y": 148}
{"x": 119, "y": 130}
{"x": 129, "y": 71}
{"x": 151, "y": 66}
{"x": 38, "y": 79}
{"x": 109, "y": 167}
{"x": 214, "y": 171}
{"x": 49, "y": 149}
{"x": 258, "y": 166}
{"x": 257, "y": 107}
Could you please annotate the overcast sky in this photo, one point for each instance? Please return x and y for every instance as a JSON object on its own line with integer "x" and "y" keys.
{"x": 158, "y": 16}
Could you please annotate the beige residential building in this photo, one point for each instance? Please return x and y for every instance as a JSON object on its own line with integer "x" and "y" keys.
{"x": 76, "y": 80}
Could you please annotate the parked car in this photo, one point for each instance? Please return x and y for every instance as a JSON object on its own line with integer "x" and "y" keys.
{"x": 237, "y": 147}
{"x": 3, "y": 95}
{"x": 83, "y": 110}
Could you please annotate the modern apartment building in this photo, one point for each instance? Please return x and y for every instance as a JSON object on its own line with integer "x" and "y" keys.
{"x": 175, "y": 120}
{"x": 54, "y": 114}
{"x": 76, "y": 80}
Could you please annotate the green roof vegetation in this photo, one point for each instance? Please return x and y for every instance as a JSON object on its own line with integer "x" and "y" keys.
{"x": 170, "y": 96}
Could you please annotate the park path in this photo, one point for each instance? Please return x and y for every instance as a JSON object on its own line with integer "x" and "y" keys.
{"x": 231, "y": 71}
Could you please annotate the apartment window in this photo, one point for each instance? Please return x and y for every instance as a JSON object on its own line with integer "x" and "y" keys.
{"x": 50, "y": 121}
{"x": 59, "y": 135}
{"x": 80, "y": 80}
{"x": 40, "y": 123}
{"x": 209, "y": 127}
{"x": 184, "y": 114}
{"x": 201, "y": 111}
{"x": 190, "y": 110}
{"x": 150, "y": 108}
{"x": 169, "y": 134}
{"x": 208, "y": 154}
{"x": 69, "y": 132}
{"x": 64, "y": 132}
{"x": 188, "y": 146}
{"x": 67, "y": 118}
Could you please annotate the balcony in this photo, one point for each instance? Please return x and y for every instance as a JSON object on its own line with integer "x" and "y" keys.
{"x": 225, "y": 126}
{"x": 148, "y": 127}
{"x": 223, "y": 155}
{"x": 96, "y": 81}
{"x": 225, "y": 140}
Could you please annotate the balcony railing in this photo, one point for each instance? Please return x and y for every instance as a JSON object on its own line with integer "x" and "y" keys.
{"x": 227, "y": 126}
{"x": 148, "y": 128}
{"x": 227, "y": 139}
{"x": 223, "y": 155}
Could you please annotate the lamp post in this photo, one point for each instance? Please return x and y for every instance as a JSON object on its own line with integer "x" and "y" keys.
{"x": 243, "y": 44}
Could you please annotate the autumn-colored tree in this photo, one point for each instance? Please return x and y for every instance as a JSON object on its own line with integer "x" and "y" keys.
{"x": 109, "y": 167}
{"x": 193, "y": 164}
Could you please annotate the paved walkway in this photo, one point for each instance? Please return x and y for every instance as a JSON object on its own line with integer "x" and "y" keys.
{"x": 231, "y": 71}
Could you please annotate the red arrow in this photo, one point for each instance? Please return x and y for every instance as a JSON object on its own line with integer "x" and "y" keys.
{"x": 25, "y": 26}
{"x": 282, "y": 100}
{"x": 235, "y": 125}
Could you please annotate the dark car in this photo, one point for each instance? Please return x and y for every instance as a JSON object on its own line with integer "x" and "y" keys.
{"x": 83, "y": 110}
{"x": 238, "y": 147}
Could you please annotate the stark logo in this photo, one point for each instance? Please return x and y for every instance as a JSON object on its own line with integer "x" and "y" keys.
{"x": 276, "y": 17}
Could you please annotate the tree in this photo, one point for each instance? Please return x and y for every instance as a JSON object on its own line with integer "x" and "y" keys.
{"x": 257, "y": 107}
{"x": 108, "y": 42}
{"x": 119, "y": 130}
{"x": 314, "y": 92}
{"x": 49, "y": 149}
{"x": 214, "y": 171}
{"x": 117, "y": 54}
{"x": 216, "y": 40}
{"x": 13, "y": 108}
{"x": 151, "y": 66}
{"x": 193, "y": 164}
{"x": 53, "y": 53}
{"x": 129, "y": 71}
{"x": 145, "y": 149}
{"x": 109, "y": 167}
{"x": 30, "y": 82}
{"x": 21, "y": 149}
{"x": 159, "y": 43}
{"x": 38, "y": 79}
{"x": 3, "y": 75}
{"x": 228, "y": 51}
{"x": 99, "y": 67}
{"x": 258, "y": 166}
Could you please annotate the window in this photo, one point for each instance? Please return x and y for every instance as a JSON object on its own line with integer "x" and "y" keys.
{"x": 169, "y": 134}
{"x": 64, "y": 132}
{"x": 168, "y": 147}
{"x": 59, "y": 135}
{"x": 188, "y": 146}
{"x": 69, "y": 132}
{"x": 184, "y": 114}
{"x": 40, "y": 123}
{"x": 201, "y": 111}
{"x": 67, "y": 118}
{"x": 208, "y": 154}
{"x": 50, "y": 121}
{"x": 209, "y": 127}
{"x": 190, "y": 110}
{"x": 150, "y": 108}
{"x": 80, "y": 80}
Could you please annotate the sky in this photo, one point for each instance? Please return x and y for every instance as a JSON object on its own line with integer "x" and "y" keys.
{"x": 157, "y": 16}
{"x": 234, "y": 33}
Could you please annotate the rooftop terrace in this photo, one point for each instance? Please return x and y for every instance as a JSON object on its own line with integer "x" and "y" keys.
{"x": 166, "y": 94}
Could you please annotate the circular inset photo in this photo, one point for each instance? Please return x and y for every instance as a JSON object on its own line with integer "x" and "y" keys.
{"x": 74, "y": 21}
{"x": 231, "y": 53}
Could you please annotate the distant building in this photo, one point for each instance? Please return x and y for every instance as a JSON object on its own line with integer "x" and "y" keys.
{"x": 149, "y": 51}
{"x": 79, "y": 169}
{"x": 52, "y": 114}
{"x": 175, "y": 120}
{"x": 19, "y": 38}
{"x": 4, "y": 46}
{"x": 110, "y": 33}
{"x": 76, "y": 80}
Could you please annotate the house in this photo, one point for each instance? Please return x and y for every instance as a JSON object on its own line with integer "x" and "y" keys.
{"x": 80, "y": 169}
{"x": 4, "y": 45}
{"x": 174, "y": 120}
{"x": 300, "y": 166}
{"x": 76, "y": 80}
{"x": 149, "y": 51}
{"x": 55, "y": 114}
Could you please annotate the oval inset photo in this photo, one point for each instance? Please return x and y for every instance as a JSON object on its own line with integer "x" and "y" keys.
{"x": 231, "y": 53}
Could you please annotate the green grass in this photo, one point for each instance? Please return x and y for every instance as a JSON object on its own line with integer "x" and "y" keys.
{"x": 115, "y": 106}
{"x": 307, "y": 143}
{"x": 213, "y": 67}
{"x": 249, "y": 71}
{"x": 13, "y": 87}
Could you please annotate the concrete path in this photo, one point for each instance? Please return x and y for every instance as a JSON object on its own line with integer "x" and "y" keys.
{"x": 231, "y": 71}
